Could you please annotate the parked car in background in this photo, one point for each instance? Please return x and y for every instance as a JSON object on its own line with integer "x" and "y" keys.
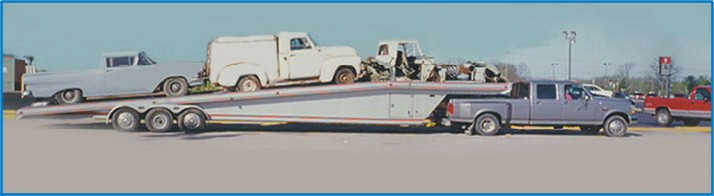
{"x": 651, "y": 94}
{"x": 596, "y": 90}
{"x": 638, "y": 95}
{"x": 121, "y": 74}
{"x": 692, "y": 109}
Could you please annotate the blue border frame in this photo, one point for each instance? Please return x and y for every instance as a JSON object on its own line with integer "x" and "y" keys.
{"x": 711, "y": 26}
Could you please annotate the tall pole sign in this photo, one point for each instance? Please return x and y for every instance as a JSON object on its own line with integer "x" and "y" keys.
{"x": 665, "y": 71}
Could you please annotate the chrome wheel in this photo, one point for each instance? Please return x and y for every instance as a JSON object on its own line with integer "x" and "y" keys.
{"x": 126, "y": 120}
{"x": 160, "y": 121}
{"x": 487, "y": 125}
{"x": 191, "y": 121}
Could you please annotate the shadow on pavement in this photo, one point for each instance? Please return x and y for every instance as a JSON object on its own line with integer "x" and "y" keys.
{"x": 224, "y": 131}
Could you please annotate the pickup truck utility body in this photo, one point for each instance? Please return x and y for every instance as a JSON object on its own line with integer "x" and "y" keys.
{"x": 692, "y": 109}
{"x": 119, "y": 74}
{"x": 249, "y": 63}
{"x": 544, "y": 103}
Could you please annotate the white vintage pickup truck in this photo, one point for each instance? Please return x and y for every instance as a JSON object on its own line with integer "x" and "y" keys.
{"x": 249, "y": 63}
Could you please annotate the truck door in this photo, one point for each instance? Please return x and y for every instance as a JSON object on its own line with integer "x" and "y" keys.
{"x": 700, "y": 104}
{"x": 304, "y": 59}
{"x": 577, "y": 108}
{"x": 547, "y": 109}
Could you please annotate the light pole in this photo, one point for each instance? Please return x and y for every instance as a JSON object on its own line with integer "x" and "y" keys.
{"x": 606, "y": 64}
{"x": 570, "y": 37}
{"x": 553, "y": 65}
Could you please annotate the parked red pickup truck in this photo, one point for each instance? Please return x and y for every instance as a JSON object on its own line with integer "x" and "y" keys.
{"x": 692, "y": 109}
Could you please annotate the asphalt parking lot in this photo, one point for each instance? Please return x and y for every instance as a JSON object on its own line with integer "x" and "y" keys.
{"x": 55, "y": 155}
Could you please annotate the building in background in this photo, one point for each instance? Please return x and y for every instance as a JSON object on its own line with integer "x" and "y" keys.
{"x": 12, "y": 70}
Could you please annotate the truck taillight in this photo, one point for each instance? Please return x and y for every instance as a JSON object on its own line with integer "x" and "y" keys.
{"x": 450, "y": 108}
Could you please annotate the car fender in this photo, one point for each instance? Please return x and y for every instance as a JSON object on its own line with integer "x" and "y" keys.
{"x": 611, "y": 112}
{"x": 330, "y": 65}
{"x": 228, "y": 76}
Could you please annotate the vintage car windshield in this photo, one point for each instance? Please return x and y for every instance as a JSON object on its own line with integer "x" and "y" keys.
{"x": 145, "y": 60}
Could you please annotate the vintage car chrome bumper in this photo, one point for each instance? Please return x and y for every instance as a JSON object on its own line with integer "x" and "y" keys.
{"x": 195, "y": 81}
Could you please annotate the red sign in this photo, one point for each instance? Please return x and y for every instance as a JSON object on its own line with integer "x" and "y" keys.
{"x": 664, "y": 60}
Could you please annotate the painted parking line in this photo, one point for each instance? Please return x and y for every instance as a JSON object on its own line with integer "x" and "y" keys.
{"x": 8, "y": 113}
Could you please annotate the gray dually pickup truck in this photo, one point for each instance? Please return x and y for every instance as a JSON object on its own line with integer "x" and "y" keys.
{"x": 542, "y": 103}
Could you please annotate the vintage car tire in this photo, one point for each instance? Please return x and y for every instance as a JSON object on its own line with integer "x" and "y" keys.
{"x": 344, "y": 76}
{"x": 691, "y": 122}
{"x": 159, "y": 120}
{"x": 663, "y": 117}
{"x": 589, "y": 129}
{"x": 248, "y": 84}
{"x": 72, "y": 96}
{"x": 191, "y": 121}
{"x": 615, "y": 126}
{"x": 174, "y": 87}
{"x": 487, "y": 125}
{"x": 126, "y": 119}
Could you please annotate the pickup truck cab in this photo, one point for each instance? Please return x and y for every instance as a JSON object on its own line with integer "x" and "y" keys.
{"x": 691, "y": 109}
{"x": 118, "y": 74}
{"x": 249, "y": 63}
{"x": 542, "y": 103}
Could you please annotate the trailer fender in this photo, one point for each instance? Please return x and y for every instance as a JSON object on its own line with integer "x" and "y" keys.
{"x": 228, "y": 76}
{"x": 330, "y": 66}
{"x": 142, "y": 109}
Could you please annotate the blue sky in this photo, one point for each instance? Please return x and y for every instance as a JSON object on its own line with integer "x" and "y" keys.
{"x": 73, "y": 36}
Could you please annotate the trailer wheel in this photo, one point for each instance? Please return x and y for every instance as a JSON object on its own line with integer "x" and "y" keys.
{"x": 615, "y": 126}
{"x": 175, "y": 87}
{"x": 159, "y": 120}
{"x": 344, "y": 76}
{"x": 664, "y": 118}
{"x": 126, "y": 119}
{"x": 588, "y": 129}
{"x": 72, "y": 96}
{"x": 487, "y": 125}
{"x": 191, "y": 120}
{"x": 248, "y": 84}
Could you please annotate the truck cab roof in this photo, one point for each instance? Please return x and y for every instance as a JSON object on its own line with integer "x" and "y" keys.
{"x": 121, "y": 53}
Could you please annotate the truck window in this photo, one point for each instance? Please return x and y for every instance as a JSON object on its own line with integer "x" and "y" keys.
{"x": 120, "y": 61}
{"x": 299, "y": 44}
{"x": 573, "y": 92}
{"x": 145, "y": 60}
{"x": 546, "y": 91}
{"x": 383, "y": 50}
{"x": 702, "y": 94}
{"x": 520, "y": 90}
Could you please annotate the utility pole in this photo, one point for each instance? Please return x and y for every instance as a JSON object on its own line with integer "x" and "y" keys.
{"x": 553, "y": 65}
{"x": 570, "y": 37}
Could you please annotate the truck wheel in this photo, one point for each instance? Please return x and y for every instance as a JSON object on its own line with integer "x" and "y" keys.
{"x": 191, "y": 120}
{"x": 615, "y": 126}
{"x": 159, "y": 120}
{"x": 587, "y": 129}
{"x": 344, "y": 76}
{"x": 487, "y": 125}
{"x": 126, "y": 119}
{"x": 664, "y": 118}
{"x": 175, "y": 87}
{"x": 248, "y": 84}
{"x": 73, "y": 96}
{"x": 691, "y": 122}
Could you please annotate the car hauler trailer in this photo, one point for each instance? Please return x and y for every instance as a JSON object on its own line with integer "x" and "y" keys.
{"x": 395, "y": 103}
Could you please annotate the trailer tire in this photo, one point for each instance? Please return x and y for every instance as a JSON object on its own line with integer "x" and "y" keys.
{"x": 248, "y": 84}
{"x": 174, "y": 87}
{"x": 344, "y": 75}
{"x": 126, "y": 119}
{"x": 159, "y": 120}
{"x": 663, "y": 117}
{"x": 191, "y": 121}
{"x": 71, "y": 96}
{"x": 487, "y": 125}
{"x": 615, "y": 126}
